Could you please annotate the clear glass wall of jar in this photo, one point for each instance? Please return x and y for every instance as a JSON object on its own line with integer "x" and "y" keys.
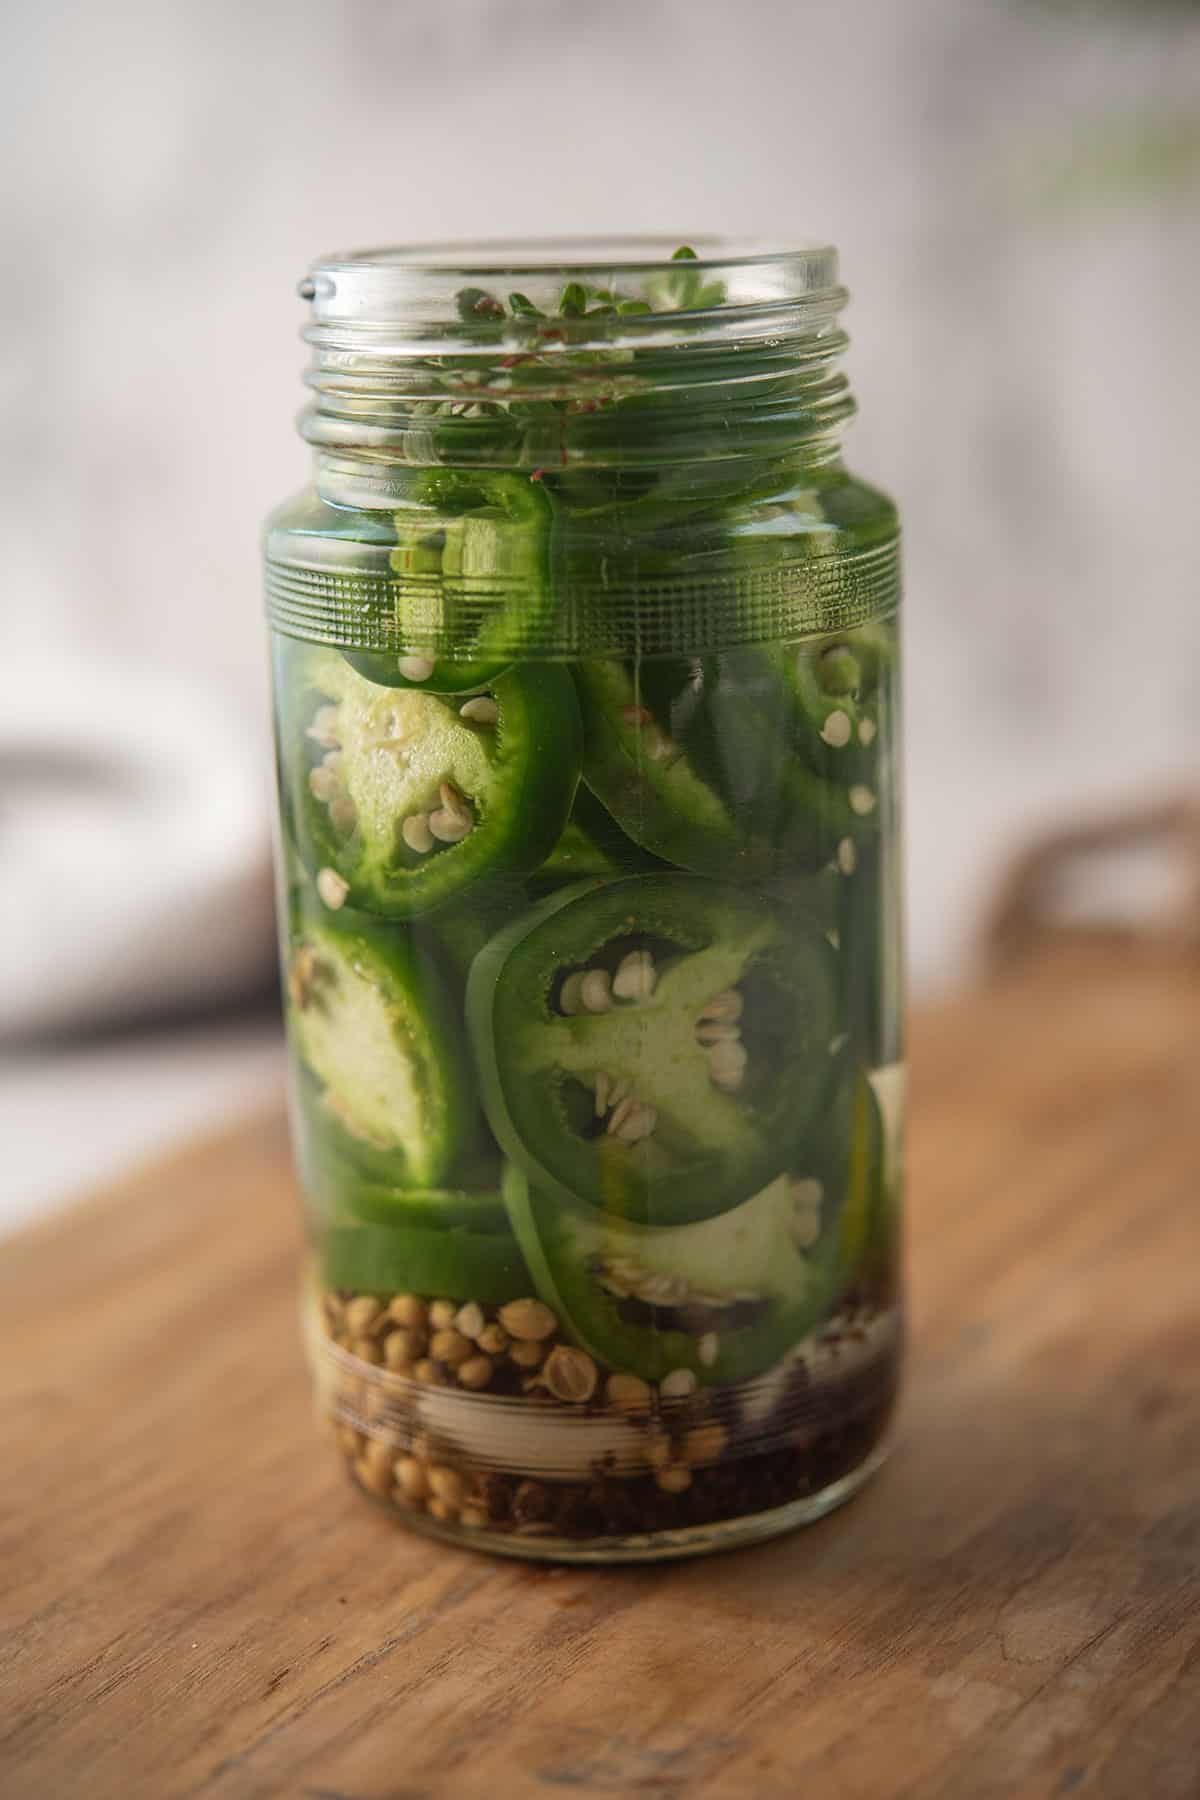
{"x": 586, "y": 713}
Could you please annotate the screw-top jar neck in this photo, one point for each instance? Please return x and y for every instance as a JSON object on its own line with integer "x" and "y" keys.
{"x": 570, "y": 356}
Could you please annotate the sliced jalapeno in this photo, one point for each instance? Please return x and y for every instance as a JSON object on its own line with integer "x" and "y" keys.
{"x": 848, "y": 1159}
{"x": 591, "y": 844}
{"x": 840, "y": 691}
{"x": 868, "y": 928}
{"x": 692, "y": 759}
{"x": 403, "y": 798}
{"x": 471, "y": 562}
{"x": 349, "y": 1186}
{"x": 453, "y": 1264}
{"x": 725, "y": 1298}
{"x": 372, "y": 1027}
{"x": 654, "y": 1045}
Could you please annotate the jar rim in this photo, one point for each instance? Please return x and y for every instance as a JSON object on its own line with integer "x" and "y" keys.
{"x": 390, "y": 279}
{"x": 536, "y": 255}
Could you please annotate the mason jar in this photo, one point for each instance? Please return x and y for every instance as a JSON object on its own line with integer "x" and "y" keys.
{"x": 585, "y": 677}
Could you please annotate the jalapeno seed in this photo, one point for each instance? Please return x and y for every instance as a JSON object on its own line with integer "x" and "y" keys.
{"x": 709, "y": 1348}
{"x": 415, "y": 667}
{"x": 862, "y": 800}
{"x": 449, "y": 827}
{"x": 620, "y": 1113}
{"x": 806, "y": 1197}
{"x": 635, "y": 1124}
{"x": 635, "y": 977}
{"x": 570, "y": 995}
{"x": 324, "y": 728}
{"x": 416, "y": 833}
{"x": 837, "y": 730}
{"x": 596, "y": 991}
{"x": 727, "y": 1065}
{"x": 715, "y": 1031}
{"x": 847, "y": 856}
{"x": 727, "y": 1006}
{"x": 343, "y": 814}
{"x": 332, "y": 889}
{"x": 678, "y": 1384}
{"x": 482, "y": 710}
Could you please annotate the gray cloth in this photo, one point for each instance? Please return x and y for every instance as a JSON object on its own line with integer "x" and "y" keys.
{"x": 135, "y": 846}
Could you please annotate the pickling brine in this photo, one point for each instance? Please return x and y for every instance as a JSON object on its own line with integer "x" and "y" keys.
{"x": 585, "y": 673}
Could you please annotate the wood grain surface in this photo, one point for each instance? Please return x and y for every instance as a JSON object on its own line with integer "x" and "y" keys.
{"x": 194, "y": 1603}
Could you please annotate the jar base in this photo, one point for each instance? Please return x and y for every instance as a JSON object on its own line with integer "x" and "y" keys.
{"x": 656, "y": 1546}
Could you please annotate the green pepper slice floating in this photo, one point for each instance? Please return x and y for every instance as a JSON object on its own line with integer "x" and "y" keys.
{"x": 849, "y": 1165}
{"x": 647, "y": 781}
{"x": 592, "y": 844}
{"x": 401, "y": 799}
{"x": 476, "y": 1210}
{"x": 697, "y": 761}
{"x": 653, "y": 1046}
{"x": 726, "y": 1298}
{"x": 840, "y": 690}
{"x": 349, "y": 1186}
{"x": 371, "y": 1025}
{"x": 730, "y": 1296}
{"x": 472, "y": 565}
{"x": 453, "y": 1263}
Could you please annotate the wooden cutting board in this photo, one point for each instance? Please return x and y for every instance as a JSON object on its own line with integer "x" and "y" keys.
{"x": 193, "y": 1602}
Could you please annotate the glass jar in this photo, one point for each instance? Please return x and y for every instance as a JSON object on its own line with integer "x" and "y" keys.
{"x": 586, "y": 714}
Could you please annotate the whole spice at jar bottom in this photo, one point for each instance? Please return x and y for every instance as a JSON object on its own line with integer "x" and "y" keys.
{"x": 569, "y": 1374}
{"x": 450, "y": 1345}
{"x": 606, "y": 1506}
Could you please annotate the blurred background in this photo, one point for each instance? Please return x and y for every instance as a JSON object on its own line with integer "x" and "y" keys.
{"x": 1015, "y": 188}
